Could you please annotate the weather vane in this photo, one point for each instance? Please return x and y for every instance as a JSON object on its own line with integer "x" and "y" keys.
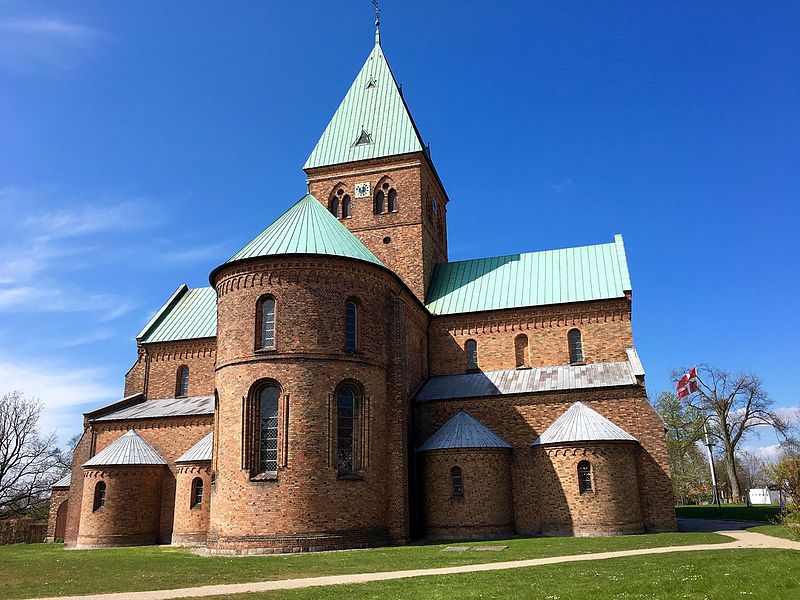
{"x": 377, "y": 21}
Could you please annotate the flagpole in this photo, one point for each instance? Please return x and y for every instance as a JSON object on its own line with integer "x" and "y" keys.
{"x": 709, "y": 445}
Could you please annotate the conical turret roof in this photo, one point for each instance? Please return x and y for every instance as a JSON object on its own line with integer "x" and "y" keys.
{"x": 306, "y": 228}
{"x": 130, "y": 449}
{"x": 372, "y": 121}
{"x": 463, "y": 431}
{"x": 579, "y": 423}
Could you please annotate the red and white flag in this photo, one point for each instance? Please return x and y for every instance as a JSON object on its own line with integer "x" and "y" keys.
{"x": 688, "y": 383}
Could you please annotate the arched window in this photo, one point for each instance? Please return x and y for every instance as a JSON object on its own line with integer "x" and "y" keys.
{"x": 99, "y": 496}
{"x": 392, "y": 196}
{"x": 197, "y": 492}
{"x": 350, "y": 326}
{"x": 346, "y": 211}
{"x": 471, "y": 350}
{"x": 457, "y": 482}
{"x": 434, "y": 206}
{"x": 333, "y": 206}
{"x": 347, "y": 399}
{"x": 265, "y": 323}
{"x": 584, "y": 476}
{"x": 521, "y": 350}
{"x": 380, "y": 202}
{"x": 268, "y": 429}
{"x": 182, "y": 382}
{"x": 575, "y": 346}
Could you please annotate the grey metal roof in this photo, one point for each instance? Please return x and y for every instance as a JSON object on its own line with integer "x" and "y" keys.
{"x": 165, "y": 407}
{"x": 129, "y": 449}
{"x": 373, "y": 110}
{"x": 63, "y": 482}
{"x": 199, "y": 452}
{"x": 637, "y": 368}
{"x": 530, "y": 279}
{"x": 579, "y": 423}
{"x": 525, "y": 381}
{"x": 187, "y": 315}
{"x": 463, "y": 430}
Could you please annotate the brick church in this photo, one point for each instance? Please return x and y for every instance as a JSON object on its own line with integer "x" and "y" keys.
{"x": 342, "y": 384}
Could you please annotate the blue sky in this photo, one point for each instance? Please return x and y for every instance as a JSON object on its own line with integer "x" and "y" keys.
{"x": 144, "y": 143}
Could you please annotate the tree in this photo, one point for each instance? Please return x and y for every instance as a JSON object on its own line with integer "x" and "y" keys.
{"x": 733, "y": 406}
{"x": 785, "y": 474}
{"x": 28, "y": 461}
{"x": 684, "y": 428}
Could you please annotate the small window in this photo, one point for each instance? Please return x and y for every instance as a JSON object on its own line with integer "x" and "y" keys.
{"x": 346, "y": 212}
{"x": 471, "y": 350}
{"x": 99, "y": 496}
{"x": 350, "y": 325}
{"x": 392, "y": 200}
{"x": 333, "y": 206}
{"x": 434, "y": 206}
{"x": 575, "y": 346}
{"x": 265, "y": 319}
{"x": 457, "y": 482}
{"x": 380, "y": 202}
{"x": 584, "y": 476}
{"x": 521, "y": 350}
{"x": 197, "y": 492}
{"x": 182, "y": 382}
{"x": 268, "y": 446}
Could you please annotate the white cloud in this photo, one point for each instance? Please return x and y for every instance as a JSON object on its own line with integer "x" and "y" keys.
{"x": 28, "y": 44}
{"x": 90, "y": 219}
{"x": 27, "y": 299}
{"x": 766, "y": 453}
{"x": 562, "y": 186}
{"x": 212, "y": 251}
{"x": 91, "y": 337}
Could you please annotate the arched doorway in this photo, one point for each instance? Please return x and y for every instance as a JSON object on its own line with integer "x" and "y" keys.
{"x": 61, "y": 520}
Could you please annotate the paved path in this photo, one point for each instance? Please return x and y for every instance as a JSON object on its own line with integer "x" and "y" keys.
{"x": 741, "y": 539}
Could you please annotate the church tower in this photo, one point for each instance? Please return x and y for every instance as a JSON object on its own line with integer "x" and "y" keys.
{"x": 371, "y": 169}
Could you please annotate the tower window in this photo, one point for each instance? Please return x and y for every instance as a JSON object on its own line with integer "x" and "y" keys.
{"x": 457, "y": 482}
{"x": 99, "y": 496}
{"x": 434, "y": 205}
{"x": 380, "y": 202}
{"x": 392, "y": 200}
{"x": 521, "y": 350}
{"x": 197, "y": 492}
{"x": 268, "y": 422}
{"x": 575, "y": 346}
{"x": 346, "y": 211}
{"x": 182, "y": 383}
{"x": 333, "y": 206}
{"x": 584, "y": 476}
{"x": 350, "y": 325}
{"x": 471, "y": 350}
{"x": 265, "y": 323}
{"x": 363, "y": 139}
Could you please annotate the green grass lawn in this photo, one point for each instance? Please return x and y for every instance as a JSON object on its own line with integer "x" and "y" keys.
{"x": 778, "y": 531}
{"x": 709, "y": 575}
{"x": 37, "y": 570}
{"x": 767, "y": 513}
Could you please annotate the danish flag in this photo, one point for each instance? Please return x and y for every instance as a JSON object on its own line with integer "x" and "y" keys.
{"x": 688, "y": 383}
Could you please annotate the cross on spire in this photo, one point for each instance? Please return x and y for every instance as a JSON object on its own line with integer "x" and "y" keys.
{"x": 377, "y": 22}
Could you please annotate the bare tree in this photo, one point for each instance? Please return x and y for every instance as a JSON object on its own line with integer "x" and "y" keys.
{"x": 28, "y": 461}
{"x": 733, "y": 405}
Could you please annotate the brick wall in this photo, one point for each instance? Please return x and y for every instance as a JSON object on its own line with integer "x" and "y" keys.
{"x": 486, "y": 506}
{"x": 605, "y": 328}
{"x": 191, "y": 521}
{"x": 131, "y": 513}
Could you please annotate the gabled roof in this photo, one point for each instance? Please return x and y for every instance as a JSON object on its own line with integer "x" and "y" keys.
{"x": 164, "y": 407}
{"x": 531, "y": 279}
{"x": 579, "y": 423}
{"x": 187, "y": 315}
{"x": 373, "y": 110}
{"x": 129, "y": 449}
{"x": 64, "y": 482}
{"x": 526, "y": 381}
{"x": 463, "y": 431}
{"x": 201, "y": 451}
{"x": 306, "y": 228}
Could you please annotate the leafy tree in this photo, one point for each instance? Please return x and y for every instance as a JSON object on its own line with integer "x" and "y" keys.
{"x": 734, "y": 405}
{"x": 28, "y": 461}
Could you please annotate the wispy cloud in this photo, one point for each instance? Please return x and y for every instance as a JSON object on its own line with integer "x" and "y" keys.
{"x": 198, "y": 253}
{"x": 562, "y": 186}
{"x": 89, "y": 219}
{"x": 92, "y": 337}
{"x": 28, "y": 44}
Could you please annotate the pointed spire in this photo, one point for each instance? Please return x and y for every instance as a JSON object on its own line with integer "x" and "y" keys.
{"x": 377, "y": 23}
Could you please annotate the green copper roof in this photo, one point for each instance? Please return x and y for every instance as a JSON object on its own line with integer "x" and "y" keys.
{"x": 187, "y": 315}
{"x": 530, "y": 279}
{"x": 306, "y": 228}
{"x": 371, "y": 122}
